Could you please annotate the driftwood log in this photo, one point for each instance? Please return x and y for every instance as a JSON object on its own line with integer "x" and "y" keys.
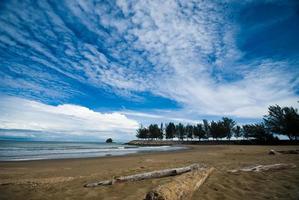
{"x": 260, "y": 168}
{"x": 274, "y": 152}
{"x": 182, "y": 187}
{"x": 147, "y": 175}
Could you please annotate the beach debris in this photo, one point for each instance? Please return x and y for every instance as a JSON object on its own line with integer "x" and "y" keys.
{"x": 274, "y": 152}
{"x": 260, "y": 168}
{"x": 181, "y": 187}
{"x": 146, "y": 175}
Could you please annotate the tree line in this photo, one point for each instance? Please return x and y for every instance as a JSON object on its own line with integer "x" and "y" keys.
{"x": 280, "y": 120}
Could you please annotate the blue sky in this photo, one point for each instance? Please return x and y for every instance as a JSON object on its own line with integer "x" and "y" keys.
{"x": 111, "y": 65}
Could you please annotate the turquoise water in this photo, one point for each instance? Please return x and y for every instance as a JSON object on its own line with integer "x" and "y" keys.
{"x": 20, "y": 150}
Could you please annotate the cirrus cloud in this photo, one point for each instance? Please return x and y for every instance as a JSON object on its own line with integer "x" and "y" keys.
{"x": 194, "y": 53}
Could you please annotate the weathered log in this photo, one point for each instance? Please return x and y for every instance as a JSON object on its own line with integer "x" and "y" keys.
{"x": 182, "y": 187}
{"x": 260, "y": 168}
{"x": 146, "y": 175}
{"x": 274, "y": 152}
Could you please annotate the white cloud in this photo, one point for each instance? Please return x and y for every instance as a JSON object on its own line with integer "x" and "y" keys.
{"x": 161, "y": 116}
{"x": 185, "y": 50}
{"x": 182, "y": 38}
{"x": 64, "y": 119}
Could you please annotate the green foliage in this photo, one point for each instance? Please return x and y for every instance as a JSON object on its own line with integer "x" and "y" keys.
{"x": 170, "y": 131}
{"x": 248, "y": 130}
{"x": 229, "y": 125}
{"x": 284, "y": 121}
{"x": 218, "y": 129}
{"x": 258, "y": 131}
{"x": 180, "y": 131}
{"x": 161, "y": 135}
{"x": 237, "y": 131}
{"x": 222, "y": 129}
{"x": 206, "y": 128}
{"x": 190, "y": 131}
{"x": 154, "y": 131}
{"x": 142, "y": 133}
{"x": 199, "y": 131}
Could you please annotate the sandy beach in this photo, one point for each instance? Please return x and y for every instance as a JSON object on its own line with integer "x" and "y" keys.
{"x": 64, "y": 179}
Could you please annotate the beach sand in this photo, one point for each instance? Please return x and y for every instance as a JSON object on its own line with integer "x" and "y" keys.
{"x": 64, "y": 179}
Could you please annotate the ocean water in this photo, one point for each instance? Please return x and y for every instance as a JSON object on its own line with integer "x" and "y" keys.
{"x": 21, "y": 150}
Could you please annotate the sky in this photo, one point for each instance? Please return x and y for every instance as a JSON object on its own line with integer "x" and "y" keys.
{"x": 88, "y": 70}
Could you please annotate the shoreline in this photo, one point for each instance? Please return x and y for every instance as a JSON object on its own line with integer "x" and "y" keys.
{"x": 183, "y": 148}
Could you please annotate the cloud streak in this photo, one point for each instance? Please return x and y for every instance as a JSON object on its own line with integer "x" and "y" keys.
{"x": 187, "y": 52}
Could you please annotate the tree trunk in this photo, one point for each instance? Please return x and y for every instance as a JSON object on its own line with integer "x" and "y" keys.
{"x": 146, "y": 175}
{"x": 181, "y": 187}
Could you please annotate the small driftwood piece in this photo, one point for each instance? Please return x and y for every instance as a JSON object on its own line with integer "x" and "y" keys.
{"x": 181, "y": 187}
{"x": 274, "y": 152}
{"x": 146, "y": 175}
{"x": 260, "y": 168}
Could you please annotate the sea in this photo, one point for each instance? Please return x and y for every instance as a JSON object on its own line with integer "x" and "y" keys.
{"x": 35, "y": 150}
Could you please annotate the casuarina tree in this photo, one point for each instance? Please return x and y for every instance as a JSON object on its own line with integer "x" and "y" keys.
{"x": 199, "y": 131}
{"x": 284, "y": 121}
{"x": 142, "y": 133}
{"x": 229, "y": 125}
{"x": 237, "y": 131}
{"x": 170, "y": 131}
{"x": 180, "y": 131}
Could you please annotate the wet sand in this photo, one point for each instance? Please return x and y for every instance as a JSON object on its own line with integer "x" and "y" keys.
{"x": 64, "y": 179}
